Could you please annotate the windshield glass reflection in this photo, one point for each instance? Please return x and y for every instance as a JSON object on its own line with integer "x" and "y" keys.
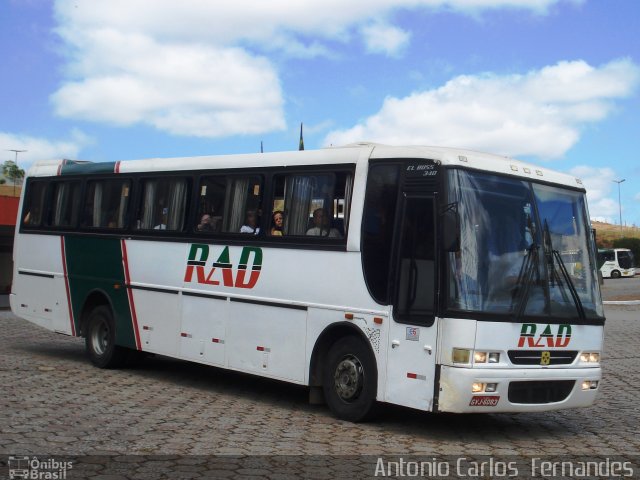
{"x": 524, "y": 250}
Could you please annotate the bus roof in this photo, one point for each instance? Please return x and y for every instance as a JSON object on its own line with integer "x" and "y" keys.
{"x": 349, "y": 154}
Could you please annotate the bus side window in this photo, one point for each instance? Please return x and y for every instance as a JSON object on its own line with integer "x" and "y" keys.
{"x": 34, "y": 204}
{"x": 210, "y": 204}
{"x": 377, "y": 228}
{"x": 314, "y": 205}
{"x": 243, "y": 199}
{"x": 163, "y": 204}
{"x": 66, "y": 204}
{"x": 106, "y": 204}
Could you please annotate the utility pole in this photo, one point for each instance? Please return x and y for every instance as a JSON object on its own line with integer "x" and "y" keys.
{"x": 620, "y": 203}
{"x": 16, "y": 152}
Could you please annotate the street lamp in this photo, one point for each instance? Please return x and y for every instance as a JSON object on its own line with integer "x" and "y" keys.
{"x": 16, "y": 152}
{"x": 620, "y": 203}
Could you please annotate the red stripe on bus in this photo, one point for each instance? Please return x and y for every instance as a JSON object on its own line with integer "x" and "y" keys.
{"x": 66, "y": 286}
{"x": 412, "y": 375}
{"x": 116, "y": 168}
{"x": 134, "y": 317}
{"x": 260, "y": 349}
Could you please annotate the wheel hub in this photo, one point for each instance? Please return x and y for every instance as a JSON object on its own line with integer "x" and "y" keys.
{"x": 348, "y": 378}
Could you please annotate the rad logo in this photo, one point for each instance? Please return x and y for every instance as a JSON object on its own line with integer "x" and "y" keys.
{"x": 221, "y": 270}
{"x": 547, "y": 338}
{"x": 49, "y": 469}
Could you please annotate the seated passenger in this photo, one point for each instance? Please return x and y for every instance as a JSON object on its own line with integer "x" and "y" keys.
{"x": 251, "y": 223}
{"x": 277, "y": 222}
{"x": 206, "y": 223}
{"x": 321, "y": 226}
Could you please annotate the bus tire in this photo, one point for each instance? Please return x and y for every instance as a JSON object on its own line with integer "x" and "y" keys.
{"x": 100, "y": 340}
{"x": 615, "y": 274}
{"x": 350, "y": 380}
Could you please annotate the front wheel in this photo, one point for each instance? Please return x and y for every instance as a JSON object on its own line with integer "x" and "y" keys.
{"x": 616, "y": 274}
{"x": 100, "y": 340}
{"x": 350, "y": 379}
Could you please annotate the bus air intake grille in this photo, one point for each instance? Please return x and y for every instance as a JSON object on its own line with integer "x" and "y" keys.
{"x": 528, "y": 357}
{"x": 537, "y": 392}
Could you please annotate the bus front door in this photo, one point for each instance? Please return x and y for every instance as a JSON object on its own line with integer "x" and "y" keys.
{"x": 412, "y": 337}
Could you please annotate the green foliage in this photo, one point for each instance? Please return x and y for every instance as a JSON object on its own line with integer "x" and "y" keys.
{"x": 632, "y": 244}
{"x": 12, "y": 172}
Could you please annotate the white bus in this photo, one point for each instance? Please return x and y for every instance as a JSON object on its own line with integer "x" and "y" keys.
{"x": 616, "y": 262}
{"x": 426, "y": 277}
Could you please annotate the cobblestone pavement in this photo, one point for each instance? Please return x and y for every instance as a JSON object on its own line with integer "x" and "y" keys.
{"x": 54, "y": 402}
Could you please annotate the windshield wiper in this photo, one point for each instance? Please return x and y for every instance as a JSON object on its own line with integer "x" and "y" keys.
{"x": 554, "y": 254}
{"x": 525, "y": 279}
{"x": 572, "y": 288}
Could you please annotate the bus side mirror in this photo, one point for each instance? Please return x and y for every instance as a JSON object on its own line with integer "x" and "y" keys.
{"x": 451, "y": 228}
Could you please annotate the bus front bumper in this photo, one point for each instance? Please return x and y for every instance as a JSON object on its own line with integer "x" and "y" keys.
{"x": 467, "y": 390}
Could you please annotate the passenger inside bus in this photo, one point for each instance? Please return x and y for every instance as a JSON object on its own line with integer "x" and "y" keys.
{"x": 251, "y": 223}
{"x": 277, "y": 223}
{"x": 322, "y": 226}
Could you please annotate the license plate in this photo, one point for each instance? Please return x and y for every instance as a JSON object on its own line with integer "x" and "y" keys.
{"x": 484, "y": 401}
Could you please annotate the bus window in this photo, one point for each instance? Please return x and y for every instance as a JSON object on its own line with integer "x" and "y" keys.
{"x": 34, "y": 204}
{"x": 415, "y": 285}
{"x": 66, "y": 204}
{"x": 163, "y": 204}
{"x": 377, "y": 228}
{"x": 313, "y": 204}
{"x": 106, "y": 203}
{"x": 211, "y": 204}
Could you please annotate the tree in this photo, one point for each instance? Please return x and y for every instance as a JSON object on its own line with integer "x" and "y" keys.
{"x": 12, "y": 172}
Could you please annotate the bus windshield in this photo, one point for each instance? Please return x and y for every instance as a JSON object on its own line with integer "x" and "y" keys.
{"x": 525, "y": 250}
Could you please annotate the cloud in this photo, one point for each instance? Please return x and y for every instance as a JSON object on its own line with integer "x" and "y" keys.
{"x": 41, "y": 148}
{"x": 200, "y": 68}
{"x": 385, "y": 39}
{"x": 195, "y": 90}
{"x": 599, "y": 185}
{"x": 539, "y": 113}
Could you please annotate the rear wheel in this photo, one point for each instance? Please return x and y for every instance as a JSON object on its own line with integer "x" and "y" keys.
{"x": 350, "y": 380}
{"x": 100, "y": 340}
{"x": 616, "y": 274}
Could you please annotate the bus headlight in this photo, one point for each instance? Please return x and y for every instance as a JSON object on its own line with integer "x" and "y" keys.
{"x": 484, "y": 357}
{"x": 480, "y": 357}
{"x": 461, "y": 355}
{"x": 479, "y": 387}
{"x": 590, "y": 357}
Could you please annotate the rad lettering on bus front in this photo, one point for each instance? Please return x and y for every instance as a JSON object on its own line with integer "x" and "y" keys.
{"x": 548, "y": 338}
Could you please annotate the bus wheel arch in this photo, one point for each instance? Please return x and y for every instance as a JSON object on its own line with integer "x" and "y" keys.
{"x": 94, "y": 299}
{"x": 343, "y": 351}
{"x": 99, "y": 329}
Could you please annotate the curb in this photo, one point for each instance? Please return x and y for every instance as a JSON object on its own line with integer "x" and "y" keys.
{"x": 621, "y": 302}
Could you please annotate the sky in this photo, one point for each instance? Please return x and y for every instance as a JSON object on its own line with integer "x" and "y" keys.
{"x": 552, "y": 82}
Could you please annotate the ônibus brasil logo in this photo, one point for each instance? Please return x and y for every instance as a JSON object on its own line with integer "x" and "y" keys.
{"x": 220, "y": 272}
{"x": 547, "y": 338}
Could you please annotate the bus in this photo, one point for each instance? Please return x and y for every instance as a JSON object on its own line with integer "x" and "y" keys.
{"x": 616, "y": 262}
{"x": 438, "y": 279}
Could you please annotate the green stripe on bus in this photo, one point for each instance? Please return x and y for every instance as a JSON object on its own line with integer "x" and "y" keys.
{"x": 95, "y": 264}
{"x": 86, "y": 168}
